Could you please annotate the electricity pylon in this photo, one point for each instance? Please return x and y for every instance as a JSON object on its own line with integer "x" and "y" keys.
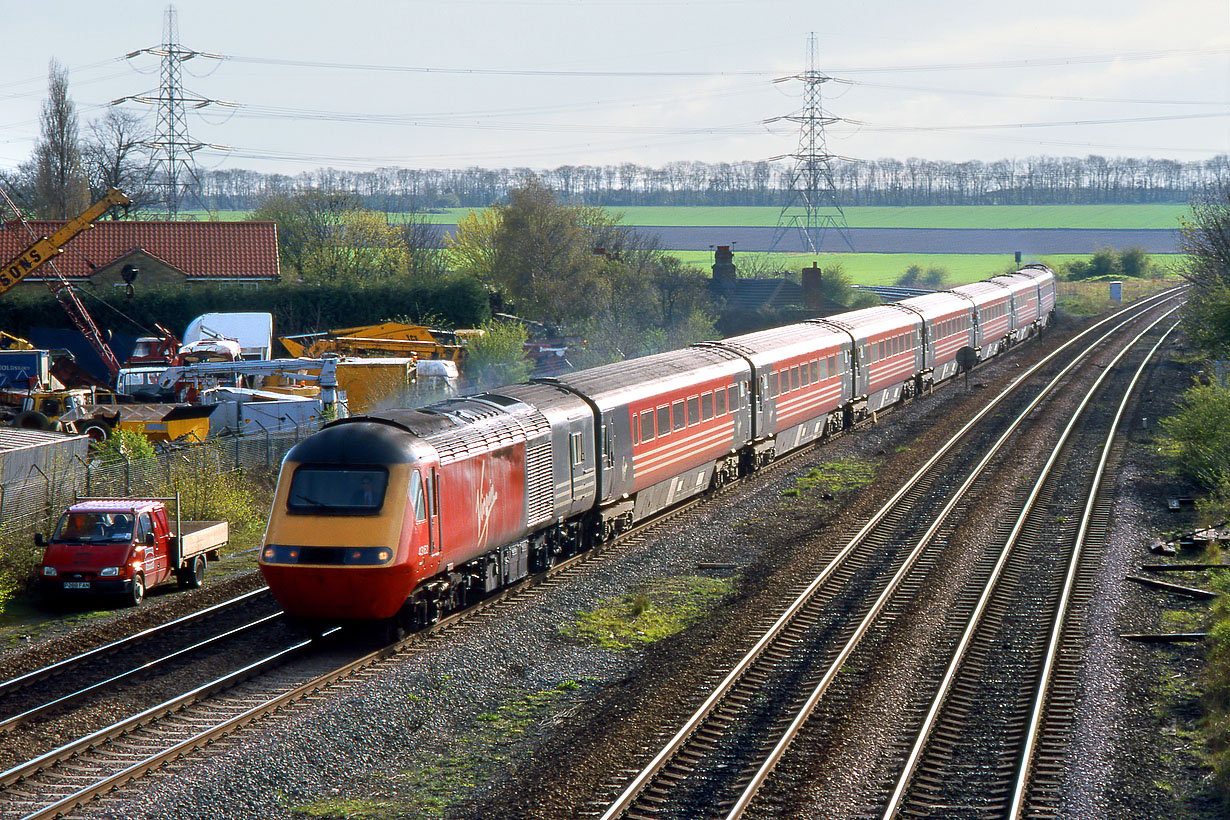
{"x": 174, "y": 167}
{"x": 811, "y": 189}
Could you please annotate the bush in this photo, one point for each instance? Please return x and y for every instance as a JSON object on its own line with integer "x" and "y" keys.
{"x": 1106, "y": 263}
{"x": 1197, "y": 437}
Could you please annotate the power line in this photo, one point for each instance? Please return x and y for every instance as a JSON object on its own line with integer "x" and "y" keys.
{"x": 172, "y": 146}
{"x": 811, "y": 184}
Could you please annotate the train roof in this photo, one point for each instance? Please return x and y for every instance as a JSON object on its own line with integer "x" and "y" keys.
{"x": 357, "y": 440}
{"x": 771, "y": 345}
{"x": 872, "y": 320}
{"x": 937, "y": 305}
{"x": 651, "y": 375}
{"x": 982, "y": 293}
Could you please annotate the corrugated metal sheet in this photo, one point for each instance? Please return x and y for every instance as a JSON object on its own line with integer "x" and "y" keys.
{"x": 23, "y": 452}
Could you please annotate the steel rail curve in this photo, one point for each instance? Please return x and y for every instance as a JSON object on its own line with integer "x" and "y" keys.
{"x": 62, "y": 666}
{"x": 950, "y": 674}
{"x": 640, "y": 782}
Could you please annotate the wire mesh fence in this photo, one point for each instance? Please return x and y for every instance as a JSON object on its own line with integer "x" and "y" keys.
{"x": 29, "y": 502}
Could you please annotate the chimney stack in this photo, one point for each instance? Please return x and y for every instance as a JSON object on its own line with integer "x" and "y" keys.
{"x": 813, "y": 292}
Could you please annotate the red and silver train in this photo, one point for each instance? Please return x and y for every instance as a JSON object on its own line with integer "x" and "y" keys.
{"x": 404, "y": 514}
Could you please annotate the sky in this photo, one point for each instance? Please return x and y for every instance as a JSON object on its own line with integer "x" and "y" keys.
{"x": 542, "y": 83}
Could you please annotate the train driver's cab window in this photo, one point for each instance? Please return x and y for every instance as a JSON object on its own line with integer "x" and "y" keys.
{"x": 576, "y": 449}
{"x": 321, "y": 490}
{"x": 417, "y": 498}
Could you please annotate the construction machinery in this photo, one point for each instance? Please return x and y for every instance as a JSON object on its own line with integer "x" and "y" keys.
{"x": 386, "y": 339}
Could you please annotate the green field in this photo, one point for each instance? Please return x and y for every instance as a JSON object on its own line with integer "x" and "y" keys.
{"x": 1163, "y": 217}
{"x": 1002, "y": 216}
{"x": 887, "y": 268}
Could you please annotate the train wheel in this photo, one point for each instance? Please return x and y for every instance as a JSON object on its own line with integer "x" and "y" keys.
{"x": 395, "y": 629}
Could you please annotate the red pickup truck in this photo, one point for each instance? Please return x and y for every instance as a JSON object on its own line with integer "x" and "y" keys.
{"x": 124, "y": 546}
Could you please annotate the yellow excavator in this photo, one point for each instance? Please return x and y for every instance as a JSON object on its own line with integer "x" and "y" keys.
{"x": 386, "y": 339}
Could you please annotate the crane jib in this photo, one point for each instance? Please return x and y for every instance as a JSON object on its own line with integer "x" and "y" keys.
{"x": 30, "y": 259}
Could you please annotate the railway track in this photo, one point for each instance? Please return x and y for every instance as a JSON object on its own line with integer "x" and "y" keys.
{"x": 755, "y": 713}
{"x": 1014, "y": 768}
{"x": 187, "y": 722}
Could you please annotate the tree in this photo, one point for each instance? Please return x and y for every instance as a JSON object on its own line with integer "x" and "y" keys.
{"x": 60, "y": 189}
{"x": 424, "y": 256}
{"x": 114, "y": 156}
{"x": 471, "y": 246}
{"x": 545, "y": 256}
{"x": 497, "y": 357}
{"x": 329, "y": 238}
{"x": 1205, "y": 240}
{"x": 915, "y": 277}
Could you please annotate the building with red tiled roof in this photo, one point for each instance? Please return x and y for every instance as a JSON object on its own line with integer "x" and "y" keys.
{"x": 163, "y": 253}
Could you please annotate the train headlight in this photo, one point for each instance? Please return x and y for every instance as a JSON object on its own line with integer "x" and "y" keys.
{"x": 270, "y": 552}
{"x": 384, "y": 555}
{"x": 50, "y": 572}
{"x": 109, "y": 572}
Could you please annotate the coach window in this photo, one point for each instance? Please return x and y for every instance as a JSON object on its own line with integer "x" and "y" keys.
{"x": 664, "y": 420}
{"x": 804, "y": 375}
{"x": 720, "y": 397}
{"x": 794, "y": 377}
{"x": 693, "y": 410}
{"x": 706, "y": 407}
{"x": 647, "y": 426}
{"x": 732, "y": 398}
{"x": 677, "y": 415}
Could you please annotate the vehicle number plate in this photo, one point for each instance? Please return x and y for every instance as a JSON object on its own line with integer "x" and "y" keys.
{"x": 76, "y": 584}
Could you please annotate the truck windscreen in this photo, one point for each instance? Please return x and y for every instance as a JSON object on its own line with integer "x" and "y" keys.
{"x": 337, "y": 491}
{"x": 93, "y": 528}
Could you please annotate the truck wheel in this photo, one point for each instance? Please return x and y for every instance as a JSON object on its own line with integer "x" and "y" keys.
{"x": 32, "y": 420}
{"x": 97, "y": 429}
{"x": 137, "y": 594}
{"x": 196, "y": 578}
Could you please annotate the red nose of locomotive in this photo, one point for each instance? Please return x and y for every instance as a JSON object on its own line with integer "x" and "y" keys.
{"x": 340, "y": 544}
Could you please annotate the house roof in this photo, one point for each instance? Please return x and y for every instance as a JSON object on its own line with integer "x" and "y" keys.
{"x": 202, "y": 250}
{"x": 761, "y": 294}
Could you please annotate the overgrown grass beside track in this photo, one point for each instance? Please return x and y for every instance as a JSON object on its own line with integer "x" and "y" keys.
{"x": 650, "y": 614}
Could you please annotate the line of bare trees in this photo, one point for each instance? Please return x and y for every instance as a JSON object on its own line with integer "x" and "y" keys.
{"x": 1031, "y": 181}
